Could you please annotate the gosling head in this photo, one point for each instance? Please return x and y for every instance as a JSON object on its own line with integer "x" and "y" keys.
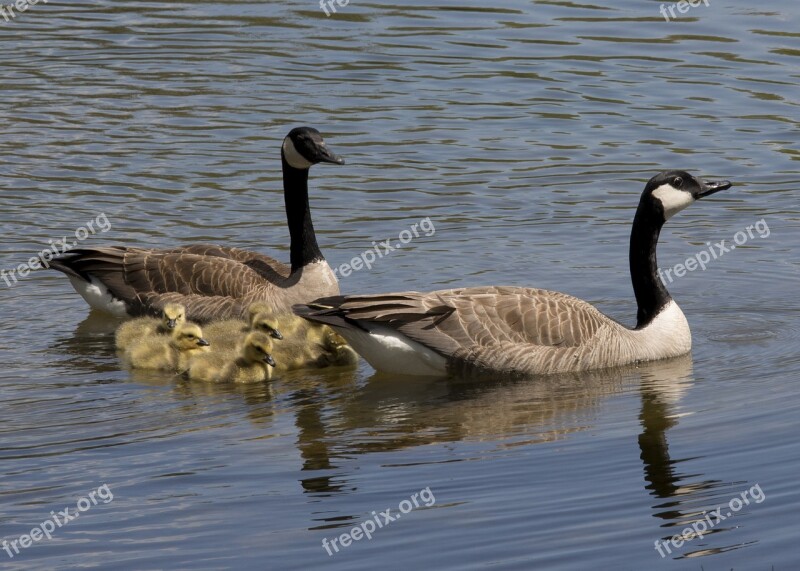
{"x": 188, "y": 337}
{"x": 266, "y": 323}
{"x": 173, "y": 315}
{"x": 258, "y": 307}
{"x": 257, "y": 348}
{"x": 669, "y": 192}
{"x": 304, "y": 147}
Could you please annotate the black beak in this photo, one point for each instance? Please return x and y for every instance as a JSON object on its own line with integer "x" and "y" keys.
{"x": 709, "y": 187}
{"x": 275, "y": 334}
{"x": 269, "y": 360}
{"x": 203, "y": 343}
{"x": 171, "y": 323}
{"x": 325, "y": 155}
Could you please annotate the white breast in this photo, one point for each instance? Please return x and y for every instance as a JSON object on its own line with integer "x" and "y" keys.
{"x": 668, "y": 335}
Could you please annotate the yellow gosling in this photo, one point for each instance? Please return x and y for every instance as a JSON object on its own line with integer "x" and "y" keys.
{"x": 168, "y": 353}
{"x": 173, "y": 315}
{"x": 305, "y": 344}
{"x": 225, "y": 335}
{"x": 251, "y": 363}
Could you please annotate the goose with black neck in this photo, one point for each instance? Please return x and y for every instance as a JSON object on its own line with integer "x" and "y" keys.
{"x": 506, "y": 330}
{"x": 215, "y": 282}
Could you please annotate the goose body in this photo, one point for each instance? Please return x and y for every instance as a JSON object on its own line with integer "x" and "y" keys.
{"x": 215, "y": 282}
{"x": 524, "y": 331}
{"x": 252, "y": 362}
{"x": 168, "y": 353}
{"x": 131, "y": 331}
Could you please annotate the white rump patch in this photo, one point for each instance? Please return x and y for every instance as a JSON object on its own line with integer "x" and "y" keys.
{"x": 293, "y": 157}
{"x": 674, "y": 200}
{"x": 97, "y": 296}
{"x": 392, "y": 352}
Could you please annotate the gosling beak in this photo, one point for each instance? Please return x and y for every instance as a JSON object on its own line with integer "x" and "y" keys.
{"x": 269, "y": 360}
{"x": 203, "y": 343}
{"x": 171, "y": 323}
{"x": 709, "y": 187}
{"x": 275, "y": 334}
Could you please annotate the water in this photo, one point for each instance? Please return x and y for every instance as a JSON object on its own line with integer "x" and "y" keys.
{"x": 525, "y": 131}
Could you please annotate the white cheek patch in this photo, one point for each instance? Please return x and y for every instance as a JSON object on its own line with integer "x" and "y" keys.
{"x": 672, "y": 199}
{"x": 294, "y": 158}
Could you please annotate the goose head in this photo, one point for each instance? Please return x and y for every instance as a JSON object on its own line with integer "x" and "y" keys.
{"x": 257, "y": 348}
{"x": 188, "y": 337}
{"x": 669, "y": 192}
{"x": 304, "y": 147}
{"x": 174, "y": 314}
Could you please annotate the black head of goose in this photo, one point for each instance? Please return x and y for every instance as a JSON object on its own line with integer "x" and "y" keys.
{"x": 215, "y": 282}
{"x": 524, "y": 331}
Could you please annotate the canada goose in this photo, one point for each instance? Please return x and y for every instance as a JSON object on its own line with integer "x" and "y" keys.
{"x": 250, "y": 363}
{"x": 168, "y": 353}
{"x": 522, "y": 331}
{"x": 172, "y": 315}
{"x": 215, "y": 282}
{"x": 305, "y": 345}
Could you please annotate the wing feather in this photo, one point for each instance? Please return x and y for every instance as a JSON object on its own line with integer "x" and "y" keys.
{"x": 493, "y": 327}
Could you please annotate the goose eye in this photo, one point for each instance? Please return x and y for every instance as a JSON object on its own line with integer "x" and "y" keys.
{"x": 678, "y": 182}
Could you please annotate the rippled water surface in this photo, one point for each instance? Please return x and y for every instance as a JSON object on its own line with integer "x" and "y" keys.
{"x": 525, "y": 130}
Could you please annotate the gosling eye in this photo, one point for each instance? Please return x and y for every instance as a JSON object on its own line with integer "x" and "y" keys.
{"x": 677, "y": 182}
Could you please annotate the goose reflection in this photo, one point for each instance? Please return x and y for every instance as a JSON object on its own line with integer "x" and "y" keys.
{"x": 391, "y": 413}
{"x": 683, "y": 499}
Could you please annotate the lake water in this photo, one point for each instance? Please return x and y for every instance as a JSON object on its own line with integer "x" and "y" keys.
{"x": 525, "y": 130}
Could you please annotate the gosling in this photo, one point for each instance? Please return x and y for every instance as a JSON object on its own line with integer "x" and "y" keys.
{"x": 305, "y": 344}
{"x": 225, "y": 335}
{"x": 168, "y": 353}
{"x": 252, "y": 362}
{"x": 173, "y": 315}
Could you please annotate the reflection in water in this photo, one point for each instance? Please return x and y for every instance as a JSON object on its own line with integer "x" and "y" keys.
{"x": 339, "y": 418}
{"x": 687, "y": 498}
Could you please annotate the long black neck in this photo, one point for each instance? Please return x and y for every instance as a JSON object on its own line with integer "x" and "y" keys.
{"x": 651, "y": 295}
{"x": 304, "y": 248}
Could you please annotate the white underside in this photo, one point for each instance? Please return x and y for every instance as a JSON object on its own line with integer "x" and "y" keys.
{"x": 391, "y": 352}
{"x": 98, "y": 296}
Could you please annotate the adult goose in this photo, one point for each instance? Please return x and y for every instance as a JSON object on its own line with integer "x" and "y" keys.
{"x": 215, "y": 282}
{"x": 522, "y": 331}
